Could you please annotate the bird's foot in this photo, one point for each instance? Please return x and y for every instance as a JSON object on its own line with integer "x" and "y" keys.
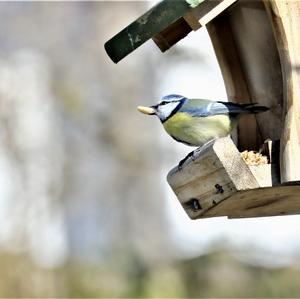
{"x": 189, "y": 155}
{"x": 196, "y": 151}
{"x": 205, "y": 146}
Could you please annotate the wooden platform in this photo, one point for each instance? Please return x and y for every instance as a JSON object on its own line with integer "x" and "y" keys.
{"x": 219, "y": 183}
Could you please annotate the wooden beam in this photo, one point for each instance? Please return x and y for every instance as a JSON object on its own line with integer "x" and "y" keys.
{"x": 192, "y": 20}
{"x": 145, "y": 27}
{"x": 172, "y": 34}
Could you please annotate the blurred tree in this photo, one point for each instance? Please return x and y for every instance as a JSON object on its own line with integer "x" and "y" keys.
{"x": 82, "y": 206}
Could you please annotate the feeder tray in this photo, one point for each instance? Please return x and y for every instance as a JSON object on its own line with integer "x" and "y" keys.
{"x": 218, "y": 182}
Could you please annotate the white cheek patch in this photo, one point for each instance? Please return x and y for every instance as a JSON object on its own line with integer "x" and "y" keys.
{"x": 167, "y": 109}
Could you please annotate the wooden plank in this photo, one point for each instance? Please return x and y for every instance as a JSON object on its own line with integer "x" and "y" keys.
{"x": 216, "y": 11}
{"x": 285, "y": 18}
{"x": 205, "y": 12}
{"x": 219, "y": 183}
{"x": 166, "y": 23}
{"x": 262, "y": 202}
{"x": 234, "y": 77}
{"x": 145, "y": 27}
{"x": 172, "y": 34}
{"x": 217, "y": 173}
{"x": 266, "y": 175}
{"x": 192, "y": 20}
{"x": 259, "y": 57}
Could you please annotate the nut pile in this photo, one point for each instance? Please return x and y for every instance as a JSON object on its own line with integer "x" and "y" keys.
{"x": 253, "y": 158}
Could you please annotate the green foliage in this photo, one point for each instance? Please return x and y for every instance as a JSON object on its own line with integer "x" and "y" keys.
{"x": 215, "y": 275}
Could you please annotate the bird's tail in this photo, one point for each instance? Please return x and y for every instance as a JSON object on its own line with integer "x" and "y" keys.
{"x": 252, "y": 108}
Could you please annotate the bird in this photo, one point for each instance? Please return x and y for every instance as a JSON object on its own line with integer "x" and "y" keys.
{"x": 197, "y": 122}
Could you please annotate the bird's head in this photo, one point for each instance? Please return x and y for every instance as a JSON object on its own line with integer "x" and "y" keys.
{"x": 167, "y": 107}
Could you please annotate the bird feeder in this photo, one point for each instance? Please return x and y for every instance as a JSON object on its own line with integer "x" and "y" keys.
{"x": 257, "y": 45}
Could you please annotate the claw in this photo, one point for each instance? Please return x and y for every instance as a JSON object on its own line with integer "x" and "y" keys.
{"x": 189, "y": 155}
{"x": 192, "y": 154}
{"x": 180, "y": 164}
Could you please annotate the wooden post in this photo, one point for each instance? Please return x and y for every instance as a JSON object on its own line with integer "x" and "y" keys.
{"x": 285, "y": 18}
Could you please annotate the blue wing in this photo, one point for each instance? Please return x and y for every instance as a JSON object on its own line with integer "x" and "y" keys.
{"x": 204, "y": 108}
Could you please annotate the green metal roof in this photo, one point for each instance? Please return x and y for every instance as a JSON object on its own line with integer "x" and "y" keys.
{"x": 153, "y": 22}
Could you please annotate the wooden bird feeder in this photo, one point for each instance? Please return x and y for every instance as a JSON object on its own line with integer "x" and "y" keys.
{"x": 257, "y": 44}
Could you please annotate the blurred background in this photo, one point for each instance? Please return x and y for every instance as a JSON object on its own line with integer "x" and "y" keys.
{"x": 85, "y": 208}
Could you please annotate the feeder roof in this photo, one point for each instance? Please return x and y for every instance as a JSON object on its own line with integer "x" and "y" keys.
{"x": 150, "y": 25}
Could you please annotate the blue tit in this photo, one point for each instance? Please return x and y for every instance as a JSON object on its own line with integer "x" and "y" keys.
{"x": 195, "y": 122}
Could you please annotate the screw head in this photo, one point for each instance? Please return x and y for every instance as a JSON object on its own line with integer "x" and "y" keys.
{"x": 193, "y": 204}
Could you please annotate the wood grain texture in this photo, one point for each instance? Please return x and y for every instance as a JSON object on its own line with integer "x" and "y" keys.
{"x": 266, "y": 175}
{"x": 158, "y": 18}
{"x": 256, "y": 45}
{"x": 285, "y": 18}
{"x": 172, "y": 34}
{"x": 219, "y": 183}
{"x": 234, "y": 78}
{"x": 216, "y": 173}
{"x": 204, "y": 13}
{"x": 262, "y": 202}
{"x": 246, "y": 49}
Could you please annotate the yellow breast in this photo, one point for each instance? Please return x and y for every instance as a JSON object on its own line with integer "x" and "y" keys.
{"x": 197, "y": 131}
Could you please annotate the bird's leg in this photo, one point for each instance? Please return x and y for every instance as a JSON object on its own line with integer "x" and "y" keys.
{"x": 204, "y": 146}
{"x": 197, "y": 150}
{"x": 189, "y": 155}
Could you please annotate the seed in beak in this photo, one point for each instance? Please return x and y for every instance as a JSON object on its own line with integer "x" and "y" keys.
{"x": 146, "y": 110}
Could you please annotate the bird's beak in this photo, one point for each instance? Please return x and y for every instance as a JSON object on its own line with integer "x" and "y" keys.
{"x": 146, "y": 110}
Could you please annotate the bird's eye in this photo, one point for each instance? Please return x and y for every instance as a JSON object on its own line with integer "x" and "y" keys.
{"x": 163, "y": 103}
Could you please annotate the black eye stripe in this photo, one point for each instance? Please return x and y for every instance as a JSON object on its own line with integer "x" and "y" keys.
{"x": 167, "y": 102}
